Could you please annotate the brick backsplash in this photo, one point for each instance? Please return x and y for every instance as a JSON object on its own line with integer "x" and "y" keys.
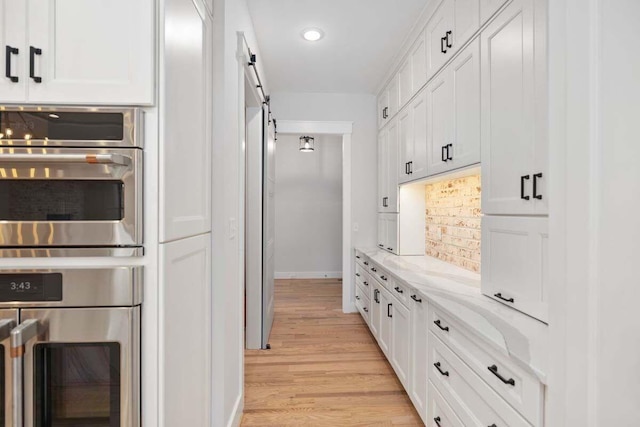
{"x": 453, "y": 218}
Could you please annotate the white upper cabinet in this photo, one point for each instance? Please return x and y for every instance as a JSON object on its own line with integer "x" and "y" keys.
{"x": 90, "y": 52}
{"x": 405, "y": 82}
{"x": 453, "y": 23}
{"x": 383, "y": 108}
{"x": 513, "y": 120}
{"x": 388, "y": 102}
{"x": 419, "y": 63}
{"x": 388, "y": 169}
{"x": 453, "y": 107}
{"x": 488, "y": 8}
{"x": 382, "y": 170}
{"x": 412, "y": 131}
{"x": 185, "y": 195}
{"x": 13, "y": 42}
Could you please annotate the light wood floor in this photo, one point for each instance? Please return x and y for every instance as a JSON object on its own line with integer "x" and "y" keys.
{"x": 324, "y": 367}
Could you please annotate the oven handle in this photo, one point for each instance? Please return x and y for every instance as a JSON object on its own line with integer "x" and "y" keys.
{"x": 24, "y": 332}
{"x": 92, "y": 159}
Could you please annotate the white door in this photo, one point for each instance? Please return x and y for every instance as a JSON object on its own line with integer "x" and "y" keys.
{"x": 439, "y": 122}
{"x": 515, "y": 262}
{"x": 405, "y": 142}
{"x": 392, "y": 242}
{"x": 386, "y": 306}
{"x": 268, "y": 228}
{"x": 465, "y": 130}
{"x": 400, "y": 333}
{"x": 102, "y": 51}
{"x": 13, "y": 42}
{"x": 393, "y": 96}
{"x": 419, "y": 63}
{"x": 508, "y": 115}
{"x": 440, "y": 37}
{"x": 466, "y": 16}
{"x": 418, "y": 165}
{"x": 418, "y": 355}
{"x": 488, "y": 8}
{"x": 383, "y": 161}
{"x": 405, "y": 82}
{"x": 392, "y": 167}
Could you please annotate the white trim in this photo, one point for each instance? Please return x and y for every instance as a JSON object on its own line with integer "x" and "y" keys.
{"x": 332, "y": 128}
{"x": 238, "y": 409}
{"x": 308, "y": 275}
{"x": 345, "y": 129}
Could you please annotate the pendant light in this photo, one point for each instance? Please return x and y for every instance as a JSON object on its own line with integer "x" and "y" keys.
{"x": 307, "y": 144}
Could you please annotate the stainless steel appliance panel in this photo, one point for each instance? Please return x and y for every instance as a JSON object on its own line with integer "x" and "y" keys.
{"x": 8, "y": 320}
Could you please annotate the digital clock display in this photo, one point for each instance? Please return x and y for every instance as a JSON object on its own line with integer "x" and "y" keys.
{"x": 30, "y": 287}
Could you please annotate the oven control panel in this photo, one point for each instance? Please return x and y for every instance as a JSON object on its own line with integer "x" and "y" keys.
{"x": 31, "y": 287}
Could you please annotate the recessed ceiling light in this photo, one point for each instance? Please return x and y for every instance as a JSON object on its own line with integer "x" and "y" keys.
{"x": 312, "y": 34}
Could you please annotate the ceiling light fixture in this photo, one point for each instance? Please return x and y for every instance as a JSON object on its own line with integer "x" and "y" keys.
{"x": 312, "y": 34}
{"x": 307, "y": 144}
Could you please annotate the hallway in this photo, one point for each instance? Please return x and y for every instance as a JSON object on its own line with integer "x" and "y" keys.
{"x": 324, "y": 368}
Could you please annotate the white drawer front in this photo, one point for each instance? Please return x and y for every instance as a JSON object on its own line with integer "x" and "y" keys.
{"x": 361, "y": 272}
{"x": 401, "y": 292}
{"x": 521, "y": 389}
{"x": 475, "y": 403}
{"x": 363, "y": 303}
{"x": 439, "y": 412}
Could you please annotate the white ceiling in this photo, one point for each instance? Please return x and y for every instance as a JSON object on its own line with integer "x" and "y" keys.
{"x": 361, "y": 38}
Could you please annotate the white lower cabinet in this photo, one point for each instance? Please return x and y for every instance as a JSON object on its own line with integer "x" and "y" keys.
{"x": 376, "y": 311}
{"x": 418, "y": 354}
{"x": 400, "y": 339}
{"x": 384, "y": 333}
{"x": 515, "y": 262}
{"x": 440, "y": 413}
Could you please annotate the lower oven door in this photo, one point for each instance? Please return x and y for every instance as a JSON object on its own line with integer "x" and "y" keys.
{"x": 69, "y": 197}
{"x": 8, "y": 320}
{"x": 82, "y": 368}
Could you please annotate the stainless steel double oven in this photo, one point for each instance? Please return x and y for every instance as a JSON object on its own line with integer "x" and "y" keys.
{"x": 70, "y": 347}
{"x": 70, "y": 181}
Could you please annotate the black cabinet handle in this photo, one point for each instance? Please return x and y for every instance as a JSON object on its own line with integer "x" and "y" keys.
{"x": 374, "y": 269}
{"x": 33, "y": 51}
{"x": 449, "y": 150}
{"x": 10, "y": 51}
{"x": 384, "y": 278}
{"x": 366, "y": 310}
{"x": 389, "y": 310}
{"x": 381, "y": 245}
{"x": 443, "y": 373}
{"x": 449, "y": 33}
{"x": 494, "y": 370}
{"x": 410, "y": 168}
{"x": 375, "y": 296}
{"x": 365, "y": 283}
{"x": 390, "y": 249}
{"x": 535, "y": 186}
{"x": 357, "y": 274}
{"x": 499, "y": 296}
{"x": 415, "y": 298}
{"x": 437, "y": 420}
{"x": 366, "y": 263}
{"x": 406, "y": 168}
{"x": 439, "y": 325}
{"x": 442, "y": 48}
{"x": 443, "y": 154}
{"x": 523, "y": 178}
{"x": 357, "y": 256}
{"x": 398, "y": 290}
{"x": 357, "y": 297}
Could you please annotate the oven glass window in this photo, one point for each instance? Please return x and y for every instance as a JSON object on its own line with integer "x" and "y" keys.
{"x": 61, "y": 200}
{"x": 72, "y": 126}
{"x": 77, "y": 385}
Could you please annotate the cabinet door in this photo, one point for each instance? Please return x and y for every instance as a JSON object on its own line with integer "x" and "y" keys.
{"x": 405, "y": 142}
{"x": 393, "y": 96}
{"x": 383, "y": 170}
{"x": 465, "y": 130}
{"x": 439, "y": 122}
{"x": 439, "y": 26}
{"x": 186, "y": 289}
{"x": 400, "y": 333}
{"x": 93, "y": 52}
{"x": 392, "y": 243}
{"x": 488, "y": 8}
{"x": 507, "y": 119}
{"x": 384, "y": 337}
{"x": 418, "y": 167}
{"x": 466, "y": 16}
{"x": 13, "y": 39}
{"x": 418, "y": 355}
{"x": 392, "y": 168}
{"x": 515, "y": 262}
{"x": 405, "y": 82}
{"x": 382, "y": 109}
{"x": 374, "y": 322}
{"x": 382, "y": 231}
{"x": 419, "y": 63}
{"x": 185, "y": 151}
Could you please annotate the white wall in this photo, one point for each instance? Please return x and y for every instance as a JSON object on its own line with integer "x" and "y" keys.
{"x": 361, "y": 110}
{"x": 308, "y": 208}
{"x": 230, "y": 16}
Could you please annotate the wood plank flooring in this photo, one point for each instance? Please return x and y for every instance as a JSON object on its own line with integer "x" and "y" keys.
{"x": 324, "y": 367}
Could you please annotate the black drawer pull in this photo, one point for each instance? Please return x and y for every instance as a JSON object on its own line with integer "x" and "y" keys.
{"x": 389, "y": 310}
{"x": 10, "y": 51}
{"x": 374, "y": 269}
{"x": 375, "y": 296}
{"x": 33, "y": 51}
{"x": 398, "y": 290}
{"x": 439, "y": 325}
{"x": 499, "y": 295}
{"x": 357, "y": 256}
{"x": 365, "y": 283}
{"x": 443, "y": 373}
{"x": 494, "y": 371}
{"x": 535, "y": 186}
{"x": 437, "y": 420}
{"x": 366, "y": 263}
{"x": 522, "y": 180}
{"x": 379, "y": 244}
{"x": 390, "y": 249}
{"x": 384, "y": 278}
{"x": 415, "y": 298}
{"x": 358, "y": 297}
{"x": 366, "y": 310}
{"x": 357, "y": 274}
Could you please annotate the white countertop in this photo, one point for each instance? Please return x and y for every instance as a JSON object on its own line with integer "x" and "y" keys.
{"x": 457, "y": 292}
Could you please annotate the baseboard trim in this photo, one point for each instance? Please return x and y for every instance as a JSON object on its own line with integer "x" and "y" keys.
{"x": 238, "y": 408}
{"x": 309, "y": 275}
{"x": 351, "y": 308}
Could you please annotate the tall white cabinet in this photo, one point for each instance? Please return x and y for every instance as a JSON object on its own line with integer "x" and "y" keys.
{"x": 106, "y": 57}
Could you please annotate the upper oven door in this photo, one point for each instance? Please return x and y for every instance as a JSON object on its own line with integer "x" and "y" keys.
{"x": 70, "y": 197}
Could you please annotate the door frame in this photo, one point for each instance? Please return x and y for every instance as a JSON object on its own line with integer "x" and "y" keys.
{"x": 345, "y": 129}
